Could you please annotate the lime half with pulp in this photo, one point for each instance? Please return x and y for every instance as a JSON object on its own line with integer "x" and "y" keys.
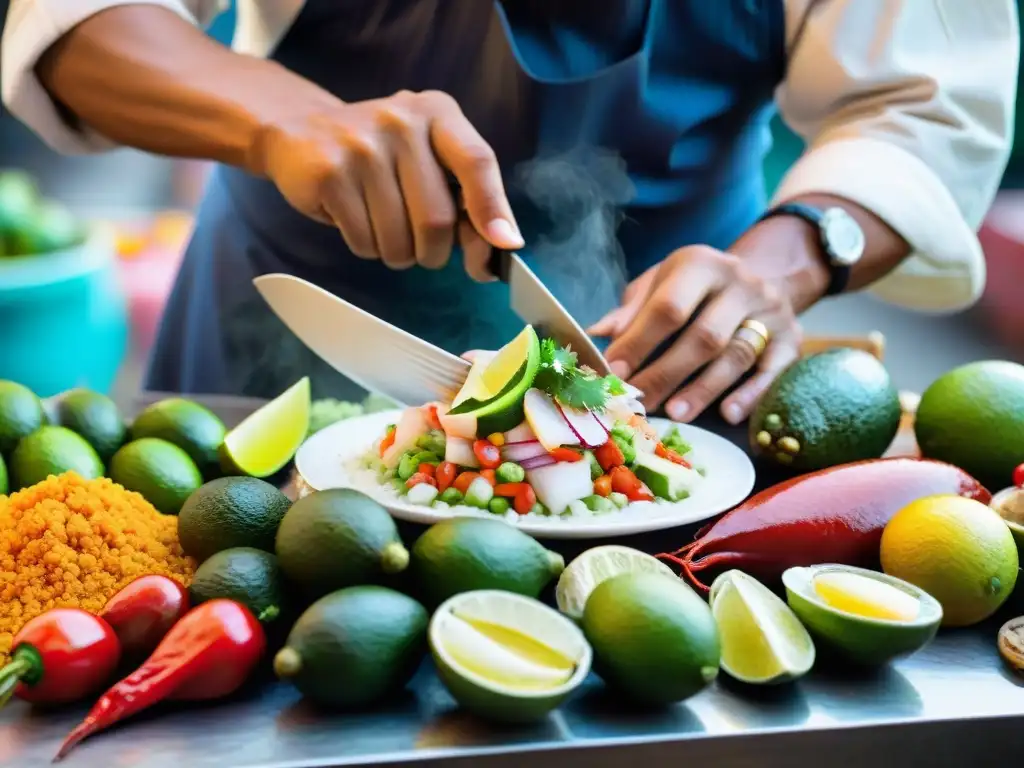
{"x": 586, "y": 572}
{"x": 762, "y": 639}
{"x": 507, "y": 657}
{"x": 267, "y": 440}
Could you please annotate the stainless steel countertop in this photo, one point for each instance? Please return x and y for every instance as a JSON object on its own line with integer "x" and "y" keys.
{"x": 951, "y": 704}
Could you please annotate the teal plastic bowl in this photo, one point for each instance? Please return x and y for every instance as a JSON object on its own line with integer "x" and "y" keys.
{"x": 63, "y": 317}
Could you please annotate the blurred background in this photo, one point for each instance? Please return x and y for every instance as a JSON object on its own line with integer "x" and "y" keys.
{"x": 89, "y": 320}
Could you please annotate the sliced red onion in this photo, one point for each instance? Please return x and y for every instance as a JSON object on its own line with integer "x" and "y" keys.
{"x": 584, "y": 425}
{"x": 522, "y": 451}
{"x": 603, "y": 420}
{"x": 536, "y": 462}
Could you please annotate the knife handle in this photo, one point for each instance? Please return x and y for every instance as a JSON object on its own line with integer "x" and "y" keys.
{"x": 500, "y": 263}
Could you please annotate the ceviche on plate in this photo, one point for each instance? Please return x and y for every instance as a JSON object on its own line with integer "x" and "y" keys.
{"x": 531, "y": 436}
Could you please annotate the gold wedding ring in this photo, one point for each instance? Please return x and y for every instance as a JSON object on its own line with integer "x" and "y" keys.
{"x": 754, "y": 333}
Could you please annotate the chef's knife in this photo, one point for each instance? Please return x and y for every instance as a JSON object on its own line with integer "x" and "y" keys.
{"x": 371, "y": 352}
{"x": 535, "y": 305}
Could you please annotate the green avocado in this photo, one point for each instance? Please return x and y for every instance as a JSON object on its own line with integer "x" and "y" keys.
{"x": 831, "y": 408}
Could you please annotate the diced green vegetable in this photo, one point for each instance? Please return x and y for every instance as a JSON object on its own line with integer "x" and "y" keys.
{"x": 451, "y": 496}
{"x": 595, "y": 467}
{"x": 422, "y": 493}
{"x": 675, "y": 442}
{"x": 599, "y": 504}
{"x": 398, "y": 484}
{"x": 433, "y": 441}
{"x": 498, "y": 505}
{"x": 540, "y": 509}
{"x": 479, "y": 493}
{"x": 620, "y": 500}
{"x": 672, "y": 482}
{"x": 624, "y": 431}
{"x": 626, "y": 446}
{"x": 510, "y": 472}
{"x": 411, "y": 461}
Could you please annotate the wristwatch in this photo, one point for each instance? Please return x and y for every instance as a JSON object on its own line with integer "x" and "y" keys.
{"x": 842, "y": 239}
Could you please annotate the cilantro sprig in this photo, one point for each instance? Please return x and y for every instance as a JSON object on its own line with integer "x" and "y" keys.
{"x": 561, "y": 376}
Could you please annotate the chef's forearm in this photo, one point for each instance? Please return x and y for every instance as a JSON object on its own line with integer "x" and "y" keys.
{"x": 144, "y": 77}
{"x": 789, "y": 249}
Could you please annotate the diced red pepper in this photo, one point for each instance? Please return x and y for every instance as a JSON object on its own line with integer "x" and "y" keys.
{"x": 426, "y": 469}
{"x": 603, "y": 486}
{"x": 625, "y": 482}
{"x": 432, "y": 420}
{"x": 1018, "y": 476}
{"x": 462, "y": 481}
{"x": 673, "y": 456}
{"x": 609, "y": 455}
{"x": 490, "y": 476}
{"x": 387, "y": 441}
{"x": 445, "y": 475}
{"x": 420, "y": 477}
{"x": 487, "y": 453}
{"x": 508, "y": 490}
{"x": 566, "y": 454}
{"x": 524, "y": 499}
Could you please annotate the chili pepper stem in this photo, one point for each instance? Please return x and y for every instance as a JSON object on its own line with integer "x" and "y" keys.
{"x": 269, "y": 613}
{"x": 12, "y": 675}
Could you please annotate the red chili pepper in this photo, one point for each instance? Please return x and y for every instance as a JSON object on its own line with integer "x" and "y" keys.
{"x": 1018, "y": 476}
{"x": 603, "y": 486}
{"x": 206, "y": 655}
{"x": 674, "y": 456}
{"x": 835, "y": 515}
{"x": 508, "y": 490}
{"x": 487, "y": 453}
{"x": 525, "y": 499}
{"x": 418, "y": 478}
{"x": 144, "y": 611}
{"x": 463, "y": 481}
{"x": 490, "y": 476}
{"x": 445, "y": 475}
{"x": 566, "y": 454}
{"x": 628, "y": 484}
{"x": 60, "y": 656}
{"x": 387, "y": 441}
{"x": 609, "y": 455}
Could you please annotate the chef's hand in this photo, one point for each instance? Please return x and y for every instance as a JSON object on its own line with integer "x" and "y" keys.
{"x": 377, "y": 171}
{"x": 719, "y": 291}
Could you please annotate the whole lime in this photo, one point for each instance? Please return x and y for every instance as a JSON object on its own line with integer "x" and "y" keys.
{"x": 21, "y": 413}
{"x": 95, "y": 417}
{"x": 161, "y": 471}
{"x": 52, "y": 450}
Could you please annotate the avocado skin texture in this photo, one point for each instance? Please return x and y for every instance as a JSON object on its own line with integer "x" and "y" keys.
{"x": 831, "y": 408}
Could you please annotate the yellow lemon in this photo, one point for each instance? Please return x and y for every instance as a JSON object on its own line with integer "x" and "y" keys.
{"x": 957, "y": 550}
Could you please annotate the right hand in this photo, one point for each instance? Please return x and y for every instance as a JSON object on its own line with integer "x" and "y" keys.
{"x": 377, "y": 171}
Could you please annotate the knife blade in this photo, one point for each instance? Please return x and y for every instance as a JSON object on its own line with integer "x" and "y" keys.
{"x": 371, "y": 352}
{"x": 536, "y": 305}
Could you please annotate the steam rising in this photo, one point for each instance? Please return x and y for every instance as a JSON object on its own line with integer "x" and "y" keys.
{"x": 580, "y": 194}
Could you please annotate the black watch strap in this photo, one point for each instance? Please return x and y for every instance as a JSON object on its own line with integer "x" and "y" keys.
{"x": 839, "y": 273}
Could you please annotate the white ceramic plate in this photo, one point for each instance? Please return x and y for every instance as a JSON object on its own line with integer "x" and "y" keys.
{"x": 326, "y": 460}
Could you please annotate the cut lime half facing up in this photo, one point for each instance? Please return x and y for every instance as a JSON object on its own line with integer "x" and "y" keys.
{"x": 506, "y": 657}
{"x": 586, "y": 572}
{"x": 763, "y": 641}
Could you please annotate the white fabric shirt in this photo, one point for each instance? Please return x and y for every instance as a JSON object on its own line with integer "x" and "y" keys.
{"x": 906, "y": 106}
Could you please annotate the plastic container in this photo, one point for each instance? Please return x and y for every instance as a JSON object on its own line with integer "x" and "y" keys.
{"x": 63, "y": 317}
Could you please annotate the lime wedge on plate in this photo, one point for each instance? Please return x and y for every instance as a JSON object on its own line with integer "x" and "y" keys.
{"x": 762, "y": 639}
{"x": 583, "y": 574}
{"x": 268, "y": 438}
{"x": 495, "y": 386}
{"x": 507, "y": 657}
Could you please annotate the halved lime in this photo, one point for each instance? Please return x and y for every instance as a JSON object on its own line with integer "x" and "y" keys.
{"x": 494, "y": 389}
{"x": 762, "y": 639}
{"x": 265, "y": 441}
{"x": 583, "y": 574}
{"x": 507, "y": 657}
{"x": 857, "y": 621}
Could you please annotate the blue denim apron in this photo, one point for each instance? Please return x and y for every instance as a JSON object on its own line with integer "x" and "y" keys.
{"x": 623, "y": 134}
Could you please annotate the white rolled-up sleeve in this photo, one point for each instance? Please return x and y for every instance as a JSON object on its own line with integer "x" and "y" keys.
{"x": 907, "y": 110}
{"x": 32, "y": 27}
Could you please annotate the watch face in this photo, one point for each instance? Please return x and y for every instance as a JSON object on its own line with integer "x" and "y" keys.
{"x": 843, "y": 237}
